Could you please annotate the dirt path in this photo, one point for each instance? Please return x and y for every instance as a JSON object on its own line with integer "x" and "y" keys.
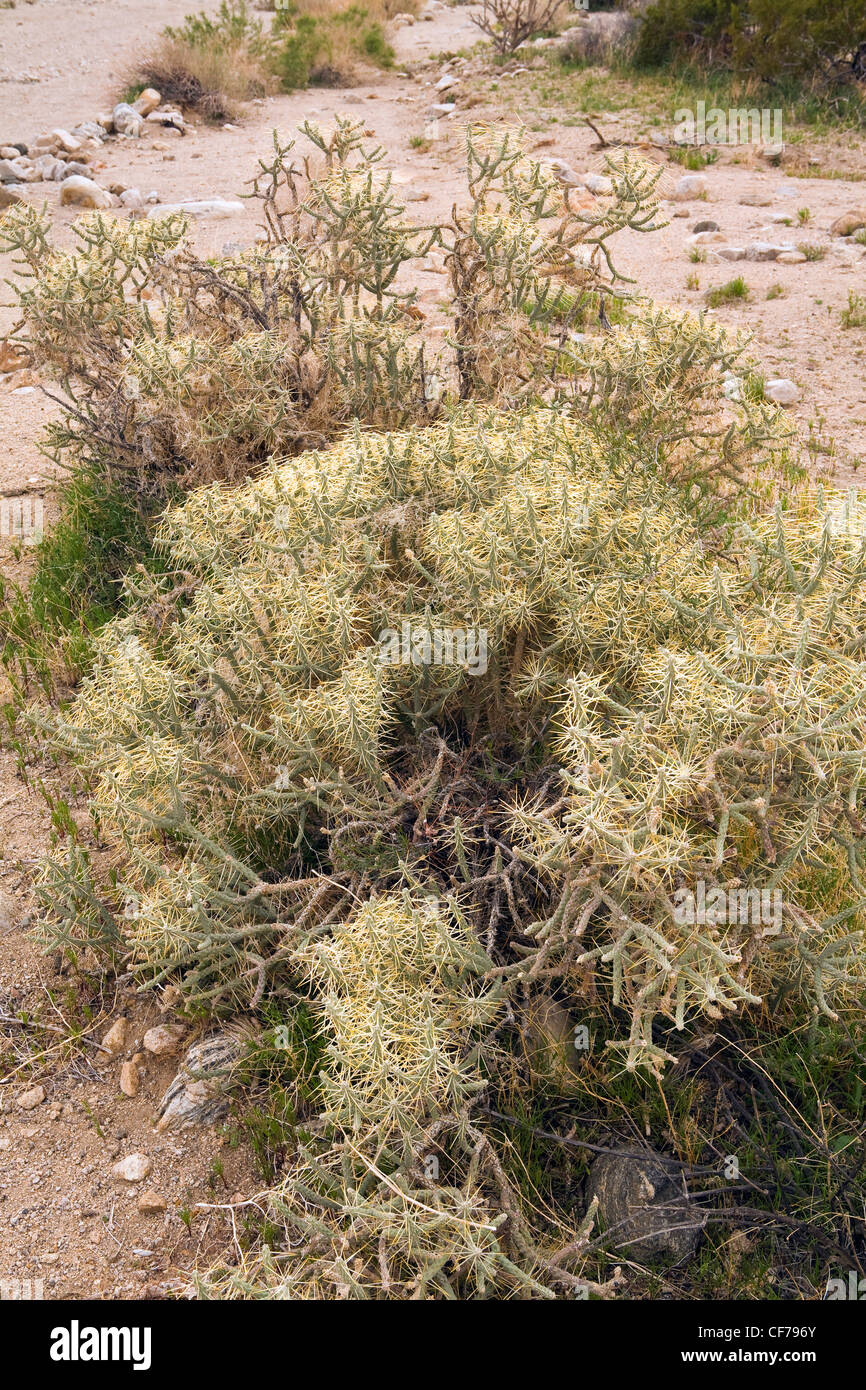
{"x": 63, "y": 1218}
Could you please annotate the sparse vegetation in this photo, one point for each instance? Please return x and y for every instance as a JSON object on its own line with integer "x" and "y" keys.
{"x": 734, "y": 291}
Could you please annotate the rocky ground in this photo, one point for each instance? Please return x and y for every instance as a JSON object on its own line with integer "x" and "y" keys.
{"x": 68, "y": 1116}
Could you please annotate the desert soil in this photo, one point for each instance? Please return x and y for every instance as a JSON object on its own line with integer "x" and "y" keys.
{"x": 64, "y": 1219}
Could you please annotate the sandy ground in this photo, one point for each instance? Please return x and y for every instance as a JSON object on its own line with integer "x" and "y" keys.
{"x": 63, "y": 1218}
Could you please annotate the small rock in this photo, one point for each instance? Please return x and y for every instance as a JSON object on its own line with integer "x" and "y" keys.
{"x": 133, "y": 1168}
{"x": 681, "y": 212}
{"x": 703, "y": 239}
{"x": 790, "y": 258}
{"x": 84, "y": 193}
{"x": 598, "y": 183}
{"x": 643, "y": 1205}
{"x": 129, "y": 1081}
{"x": 690, "y": 186}
{"x": 206, "y": 207}
{"x": 782, "y": 391}
{"x": 28, "y": 1100}
{"x": 565, "y": 173}
{"x": 147, "y": 101}
{"x": 731, "y": 253}
{"x": 9, "y": 151}
{"x": 848, "y": 223}
{"x": 151, "y": 1203}
{"x": 9, "y": 196}
{"x": 755, "y": 200}
{"x": 18, "y": 170}
{"x": 131, "y": 198}
{"x": 706, "y": 226}
{"x": 66, "y": 141}
{"x": 164, "y": 1039}
{"x": 50, "y": 167}
{"x": 127, "y": 121}
{"x": 766, "y": 250}
{"x": 445, "y": 83}
{"x": 115, "y": 1039}
{"x": 90, "y": 130}
{"x": 73, "y": 170}
{"x": 169, "y": 118}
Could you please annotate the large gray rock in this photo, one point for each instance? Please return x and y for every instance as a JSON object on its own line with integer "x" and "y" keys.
{"x": 199, "y": 1094}
{"x": 643, "y": 1206}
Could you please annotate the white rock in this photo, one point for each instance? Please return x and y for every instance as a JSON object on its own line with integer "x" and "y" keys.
{"x": 782, "y": 391}
{"x": 133, "y": 1168}
{"x": 84, "y": 193}
{"x": 443, "y": 108}
{"x": 131, "y": 198}
{"x": 564, "y": 173}
{"x": 446, "y": 83}
{"x": 66, "y": 141}
{"x": 690, "y": 186}
{"x": 790, "y": 258}
{"x": 767, "y": 250}
{"x": 598, "y": 183}
{"x": 50, "y": 167}
{"x": 169, "y": 118}
{"x": 205, "y": 207}
{"x": 733, "y": 388}
{"x": 164, "y": 1039}
{"x": 703, "y": 238}
{"x": 20, "y": 170}
{"x": 731, "y": 253}
{"x": 127, "y": 121}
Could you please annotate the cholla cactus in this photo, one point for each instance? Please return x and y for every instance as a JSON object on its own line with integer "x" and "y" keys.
{"x": 288, "y": 792}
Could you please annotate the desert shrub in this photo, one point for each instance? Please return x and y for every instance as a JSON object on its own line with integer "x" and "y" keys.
{"x": 772, "y": 39}
{"x": 509, "y": 23}
{"x": 209, "y": 65}
{"x": 311, "y": 792}
{"x": 175, "y": 370}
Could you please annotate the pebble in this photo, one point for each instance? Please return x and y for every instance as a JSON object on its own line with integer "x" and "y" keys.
{"x": 690, "y": 186}
{"x": 164, "y": 1039}
{"x": 115, "y": 1039}
{"x": 133, "y": 1168}
{"x": 129, "y": 1081}
{"x": 151, "y": 1203}
{"x": 705, "y": 226}
{"x": 204, "y": 207}
{"x": 598, "y": 183}
{"x": 28, "y": 1100}
{"x": 848, "y": 223}
{"x": 782, "y": 391}
{"x": 791, "y": 258}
